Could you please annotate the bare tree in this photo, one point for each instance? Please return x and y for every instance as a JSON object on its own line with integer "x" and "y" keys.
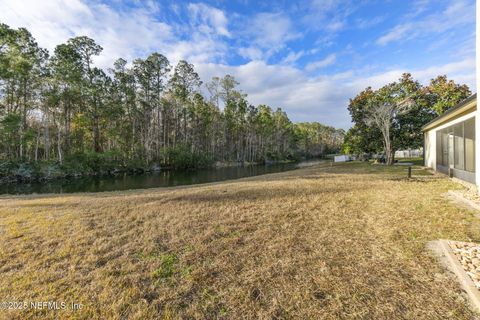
{"x": 384, "y": 108}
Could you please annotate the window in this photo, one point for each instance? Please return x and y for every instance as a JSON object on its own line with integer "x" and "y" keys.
{"x": 456, "y": 146}
{"x": 470, "y": 145}
{"x": 439, "y": 147}
{"x": 444, "y": 148}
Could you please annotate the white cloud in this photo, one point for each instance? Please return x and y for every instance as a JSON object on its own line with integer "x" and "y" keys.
{"x": 120, "y": 33}
{"x": 251, "y": 53}
{"x": 52, "y": 21}
{"x": 269, "y": 33}
{"x": 136, "y": 32}
{"x": 323, "y": 98}
{"x": 292, "y": 57}
{"x": 368, "y": 23}
{"x": 209, "y": 19}
{"x": 328, "y": 60}
{"x": 329, "y": 15}
{"x": 273, "y": 29}
{"x": 463, "y": 71}
{"x": 397, "y": 33}
{"x": 336, "y": 25}
{"x": 457, "y": 14}
{"x": 128, "y": 33}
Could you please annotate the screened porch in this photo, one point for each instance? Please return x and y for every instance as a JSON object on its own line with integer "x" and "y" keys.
{"x": 455, "y": 150}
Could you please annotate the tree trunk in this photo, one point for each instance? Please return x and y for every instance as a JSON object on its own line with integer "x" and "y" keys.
{"x": 59, "y": 145}
{"x": 67, "y": 128}
{"x": 47, "y": 134}
{"x": 96, "y": 128}
{"x": 391, "y": 157}
{"x": 388, "y": 146}
{"x": 36, "y": 145}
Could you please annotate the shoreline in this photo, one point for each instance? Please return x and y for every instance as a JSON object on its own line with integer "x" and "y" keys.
{"x": 58, "y": 174}
{"x": 139, "y": 191}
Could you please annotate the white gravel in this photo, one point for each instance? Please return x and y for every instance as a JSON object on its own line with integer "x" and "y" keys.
{"x": 468, "y": 254}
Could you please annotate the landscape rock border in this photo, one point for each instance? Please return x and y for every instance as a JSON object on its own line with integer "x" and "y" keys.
{"x": 447, "y": 257}
{"x": 468, "y": 253}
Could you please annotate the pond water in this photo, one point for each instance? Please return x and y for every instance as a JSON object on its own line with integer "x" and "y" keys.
{"x": 168, "y": 178}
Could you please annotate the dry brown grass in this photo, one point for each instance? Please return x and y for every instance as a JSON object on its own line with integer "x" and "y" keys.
{"x": 342, "y": 242}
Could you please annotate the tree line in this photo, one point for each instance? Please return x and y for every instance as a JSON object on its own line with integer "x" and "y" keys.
{"x": 391, "y": 118}
{"x": 60, "y": 108}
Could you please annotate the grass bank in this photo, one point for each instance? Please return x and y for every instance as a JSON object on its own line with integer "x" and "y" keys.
{"x": 324, "y": 242}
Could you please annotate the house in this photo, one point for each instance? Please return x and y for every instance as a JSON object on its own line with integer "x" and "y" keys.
{"x": 450, "y": 143}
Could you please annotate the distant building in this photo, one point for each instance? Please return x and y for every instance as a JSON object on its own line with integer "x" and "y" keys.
{"x": 449, "y": 145}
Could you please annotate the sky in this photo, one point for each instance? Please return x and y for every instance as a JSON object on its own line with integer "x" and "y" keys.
{"x": 308, "y": 57}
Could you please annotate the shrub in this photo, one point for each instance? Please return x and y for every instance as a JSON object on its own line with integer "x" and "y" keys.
{"x": 93, "y": 161}
{"x": 7, "y": 168}
{"x": 181, "y": 157}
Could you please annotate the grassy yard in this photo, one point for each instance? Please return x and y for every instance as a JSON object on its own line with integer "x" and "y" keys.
{"x": 340, "y": 242}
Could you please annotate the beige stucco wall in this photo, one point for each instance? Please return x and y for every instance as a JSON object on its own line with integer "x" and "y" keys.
{"x": 430, "y": 150}
{"x": 477, "y": 119}
{"x": 430, "y": 136}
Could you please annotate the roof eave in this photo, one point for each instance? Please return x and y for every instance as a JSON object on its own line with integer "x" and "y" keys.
{"x": 462, "y": 107}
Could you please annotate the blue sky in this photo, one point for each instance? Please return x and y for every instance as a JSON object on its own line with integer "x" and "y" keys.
{"x": 307, "y": 57}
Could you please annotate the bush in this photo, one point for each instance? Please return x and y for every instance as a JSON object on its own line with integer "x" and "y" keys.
{"x": 7, "y": 168}
{"x": 25, "y": 171}
{"x": 181, "y": 157}
{"x": 92, "y": 162}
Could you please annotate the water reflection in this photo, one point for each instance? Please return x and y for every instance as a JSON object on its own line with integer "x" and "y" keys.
{"x": 148, "y": 180}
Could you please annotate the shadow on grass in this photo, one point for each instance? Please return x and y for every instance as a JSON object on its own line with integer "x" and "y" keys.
{"x": 316, "y": 172}
{"x": 255, "y": 194}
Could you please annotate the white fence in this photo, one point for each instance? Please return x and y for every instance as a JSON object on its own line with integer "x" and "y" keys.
{"x": 415, "y": 153}
{"x": 342, "y": 158}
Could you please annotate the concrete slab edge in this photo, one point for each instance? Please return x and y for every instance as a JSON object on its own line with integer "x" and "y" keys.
{"x": 442, "y": 249}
